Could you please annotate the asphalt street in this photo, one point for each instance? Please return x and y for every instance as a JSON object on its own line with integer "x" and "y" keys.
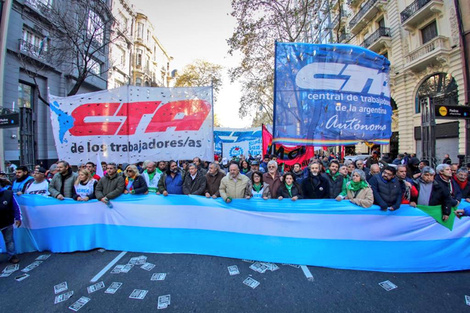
{"x": 203, "y": 284}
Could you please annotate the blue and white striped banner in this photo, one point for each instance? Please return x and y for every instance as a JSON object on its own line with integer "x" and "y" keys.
{"x": 312, "y": 232}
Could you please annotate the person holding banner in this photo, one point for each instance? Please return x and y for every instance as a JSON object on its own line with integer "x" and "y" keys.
{"x": 358, "y": 190}
{"x": 111, "y": 185}
{"x": 234, "y": 185}
{"x": 9, "y": 216}
{"x": 387, "y": 189}
{"x": 334, "y": 178}
{"x": 171, "y": 181}
{"x": 61, "y": 185}
{"x": 259, "y": 188}
{"x": 84, "y": 187}
{"x": 22, "y": 180}
{"x": 272, "y": 178}
{"x": 315, "y": 186}
{"x": 213, "y": 178}
{"x": 135, "y": 183}
{"x": 289, "y": 188}
{"x": 195, "y": 182}
{"x": 40, "y": 185}
{"x": 151, "y": 176}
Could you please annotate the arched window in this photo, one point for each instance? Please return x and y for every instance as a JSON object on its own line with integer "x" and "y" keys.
{"x": 440, "y": 89}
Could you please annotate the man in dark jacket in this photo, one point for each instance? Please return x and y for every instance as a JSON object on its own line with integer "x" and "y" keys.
{"x": 461, "y": 179}
{"x": 315, "y": 186}
{"x": 111, "y": 185}
{"x": 61, "y": 185}
{"x": 22, "y": 180}
{"x": 386, "y": 189}
{"x": 9, "y": 215}
{"x": 431, "y": 193}
{"x": 194, "y": 182}
{"x": 334, "y": 178}
{"x": 444, "y": 179}
{"x": 213, "y": 177}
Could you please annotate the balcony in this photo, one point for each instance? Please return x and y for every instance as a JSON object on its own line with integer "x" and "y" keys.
{"x": 33, "y": 51}
{"x": 40, "y": 6}
{"x": 435, "y": 52}
{"x": 418, "y": 11}
{"x": 370, "y": 10}
{"x": 344, "y": 37}
{"x": 379, "y": 39}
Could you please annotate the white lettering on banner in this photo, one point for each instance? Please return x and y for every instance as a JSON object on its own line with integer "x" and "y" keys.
{"x": 342, "y": 77}
{"x": 352, "y": 124}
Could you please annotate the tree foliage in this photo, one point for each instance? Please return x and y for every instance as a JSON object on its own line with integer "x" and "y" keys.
{"x": 260, "y": 23}
{"x": 201, "y": 73}
{"x": 80, "y": 32}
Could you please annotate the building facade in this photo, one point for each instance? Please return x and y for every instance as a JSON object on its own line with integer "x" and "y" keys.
{"x": 38, "y": 61}
{"x": 422, "y": 41}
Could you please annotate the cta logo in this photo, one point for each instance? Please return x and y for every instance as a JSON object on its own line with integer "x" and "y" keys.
{"x": 343, "y": 77}
{"x": 122, "y": 119}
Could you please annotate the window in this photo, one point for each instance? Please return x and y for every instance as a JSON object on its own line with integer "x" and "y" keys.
{"x": 25, "y": 96}
{"x": 439, "y": 89}
{"x": 33, "y": 43}
{"x": 138, "y": 82}
{"x": 140, "y": 30}
{"x": 381, "y": 23}
{"x": 138, "y": 61}
{"x": 95, "y": 68}
{"x": 123, "y": 23}
{"x": 429, "y": 32}
{"x": 95, "y": 27}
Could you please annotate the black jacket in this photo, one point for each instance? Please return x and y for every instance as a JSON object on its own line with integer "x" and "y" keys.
{"x": 336, "y": 186}
{"x": 386, "y": 194}
{"x": 140, "y": 185}
{"x": 196, "y": 186}
{"x": 439, "y": 196}
{"x": 283, "y": 192}
{"x": 455, "y": 194}
{"x": 315, "y": 187}
{"x": 7, "y": 213}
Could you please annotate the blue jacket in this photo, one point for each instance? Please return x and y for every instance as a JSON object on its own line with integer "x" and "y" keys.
{"x": 386, "y": 193}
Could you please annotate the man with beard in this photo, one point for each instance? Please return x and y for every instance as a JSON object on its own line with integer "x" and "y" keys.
{"x": 61, "y": 185}
{"x": 194, "y": 182}
{"x": 386, "y": 189}
{"x": 272, "y": 178}
{"x": 152, "y": 176}
{"x": 171, "y": 181}
{"x": 360, "y": 166}
{"x": 431, "y": 193}
{"x": 407, "y": 189}
{"x": 22, "y": 180}
{"x": 444, "y": 179}
{"x": 334, "y": 178}
{"x": 298, "y": 173}
{"x": 235, "y": 185}
{"x": 213, "y": 177}
{"x": 315, "y": 186}
{"x": 110, "y": 186}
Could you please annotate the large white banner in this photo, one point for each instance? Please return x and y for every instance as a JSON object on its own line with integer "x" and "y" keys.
{"x": 131, "y": 124}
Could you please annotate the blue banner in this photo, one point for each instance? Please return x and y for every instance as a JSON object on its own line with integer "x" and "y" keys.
{"x": 308, "y": 232}
{"x": 231, "y": 135}
{"x": 331, "y": 95}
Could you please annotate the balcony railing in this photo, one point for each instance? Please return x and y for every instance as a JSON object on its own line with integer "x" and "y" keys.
{"x": 369, "y": 4}
{"x": 381, "y": 32}
{"x": 439, "y": 43}
{"x": 412, "y": 9}
{"x": 33, "y": 50}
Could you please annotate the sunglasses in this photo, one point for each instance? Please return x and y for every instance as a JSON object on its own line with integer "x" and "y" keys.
{"x": 130, "y": 171}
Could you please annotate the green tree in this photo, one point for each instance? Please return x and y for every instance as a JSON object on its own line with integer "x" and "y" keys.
{"x": 201, "y": 73}
{"x": 260, "y": 24}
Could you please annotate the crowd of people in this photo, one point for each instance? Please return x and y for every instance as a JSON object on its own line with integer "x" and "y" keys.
{"x": 361, "y": 182}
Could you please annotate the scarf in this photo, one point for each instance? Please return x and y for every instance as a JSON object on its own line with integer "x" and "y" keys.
{"x": 257, "y": 187}
{"x": 289, "y": 189}
{"x": 462, "y": 184}
{"x": 129, "y": 183}
{"x": 334, "y": 176}
{"x": 354, "y": 187}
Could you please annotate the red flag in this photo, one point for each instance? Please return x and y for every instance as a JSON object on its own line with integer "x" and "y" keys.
{"x": 287, "y": 155}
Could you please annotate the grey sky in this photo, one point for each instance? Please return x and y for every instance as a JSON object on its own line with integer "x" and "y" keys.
{"x": 198, "y": 29}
